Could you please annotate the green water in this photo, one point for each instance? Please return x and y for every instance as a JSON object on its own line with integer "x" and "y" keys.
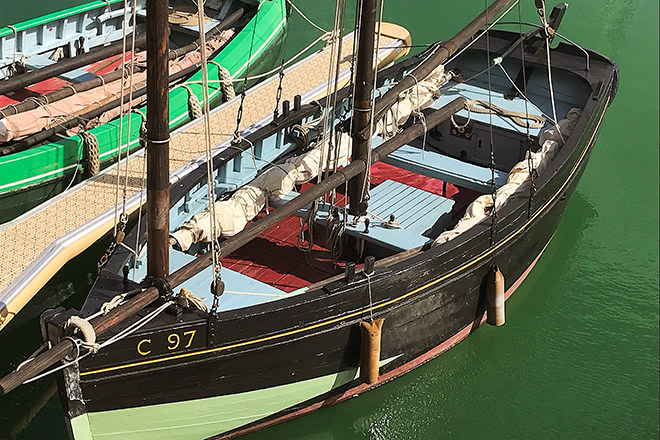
{"x": 578, "y": 356}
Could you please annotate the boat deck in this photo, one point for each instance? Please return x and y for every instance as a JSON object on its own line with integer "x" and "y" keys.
{"x": 272, "y": 266}
{"x": 37, "y": 244}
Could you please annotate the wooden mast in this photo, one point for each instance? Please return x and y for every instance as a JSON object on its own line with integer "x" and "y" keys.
{"x": 158, "y": 134}
{"x": 364, "y": 80}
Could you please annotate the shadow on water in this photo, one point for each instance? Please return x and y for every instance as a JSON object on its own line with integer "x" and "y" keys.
{"x": 563, "y": 249}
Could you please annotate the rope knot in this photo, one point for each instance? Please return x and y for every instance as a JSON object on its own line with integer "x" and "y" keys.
{"x": 187, "y": 299}
{"x": 78, "y": 323}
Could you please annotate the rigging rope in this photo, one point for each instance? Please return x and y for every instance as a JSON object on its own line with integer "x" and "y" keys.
{"x": 367, "y": 175}
{"x": 530, "y": 161}
{"x": 122, "y": 92}
{"x": 331, "y": 89}
{"x": 305, "y": 17}
{"x": 546, "y": 26}
{"x": 493, "y": 224}
{"x": 524, "y": 95}
{"x": 265, "y": 74}
{"x": 485, "y": 32}
{"x": 217, "y": 286}
{"x": 520, "y": 118}
{"x": 78, "y": 343}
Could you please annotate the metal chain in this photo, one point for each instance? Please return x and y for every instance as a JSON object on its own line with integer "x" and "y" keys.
{"x": 118, "y": 239}
{"x": 239, "y": 115}
{"x": 530, "y": 161}
{"x": 278, "y": 95}
{"x": 493, "y": 214}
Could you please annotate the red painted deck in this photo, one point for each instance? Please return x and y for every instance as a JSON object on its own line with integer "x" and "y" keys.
{"x": 274, "y": 257}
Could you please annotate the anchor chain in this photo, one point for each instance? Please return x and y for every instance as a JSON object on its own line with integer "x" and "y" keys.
{"x": 118, "y": 239}
{"x": 278, "y": 95}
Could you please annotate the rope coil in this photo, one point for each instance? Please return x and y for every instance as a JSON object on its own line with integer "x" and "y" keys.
{"x": 86, "y": 329}
{"x": 520, "y": 118}
{"x": 194, "y": 106}
{"x": 91, "y": 145}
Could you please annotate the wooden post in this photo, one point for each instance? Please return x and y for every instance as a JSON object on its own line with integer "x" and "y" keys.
{"x": 364, "y": 79}
{"x": 158, "y": 134}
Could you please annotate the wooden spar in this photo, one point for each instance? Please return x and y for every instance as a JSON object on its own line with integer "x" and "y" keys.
{"x": 67, "y": 91}
{"x": 364, "y": 80}
{"x": 66, "y": 348}
{"x": 158, "y": 135}
{"x": 41, "y": 136}
{"x": 441, "y": 54}
{"x": 119, "y": 314}
{"x": 69, "y": 64}
{"x": 61, "y": 93}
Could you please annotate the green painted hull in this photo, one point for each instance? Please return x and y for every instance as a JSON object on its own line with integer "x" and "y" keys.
{"x": 44, "y": 19}
{"x": 47, "y": 169}
{"x": 203, "y": 418}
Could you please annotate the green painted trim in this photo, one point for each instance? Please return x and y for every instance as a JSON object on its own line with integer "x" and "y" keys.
{"x": 80, "y": 427}
{"x": 202, "y": 418}
{"x": 27, "y": 24}
{"x": 52, "y": 161}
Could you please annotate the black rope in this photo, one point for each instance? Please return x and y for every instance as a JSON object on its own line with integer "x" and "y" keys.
{"x": 530, "y": 161}
{"x": 310, "y": 217}
{"x": 239, "y": 113}
{"x": 336, "y": 228}
{"x": 493, "y": 214}
{"x": 278, "y": 96}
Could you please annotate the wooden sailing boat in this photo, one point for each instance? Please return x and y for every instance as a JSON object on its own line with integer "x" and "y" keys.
{"x": 58, "y": 121}
{"x": 447, "y": 223}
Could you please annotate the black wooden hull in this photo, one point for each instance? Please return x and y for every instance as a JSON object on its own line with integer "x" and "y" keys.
{"x": 310, "y": 343}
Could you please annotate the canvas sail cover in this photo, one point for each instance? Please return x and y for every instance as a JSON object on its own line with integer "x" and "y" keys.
{"x": 518, "y": 180}
{"x": 232, "y": 215}
{"x": 22, "y": 125}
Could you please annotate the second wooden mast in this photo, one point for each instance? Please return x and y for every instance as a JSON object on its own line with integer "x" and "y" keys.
{"x": 158, "y": 135}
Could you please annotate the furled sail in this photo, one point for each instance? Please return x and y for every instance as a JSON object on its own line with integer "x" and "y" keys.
{"x": 518, "y": 180}
{"x": 232, "y": 215}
